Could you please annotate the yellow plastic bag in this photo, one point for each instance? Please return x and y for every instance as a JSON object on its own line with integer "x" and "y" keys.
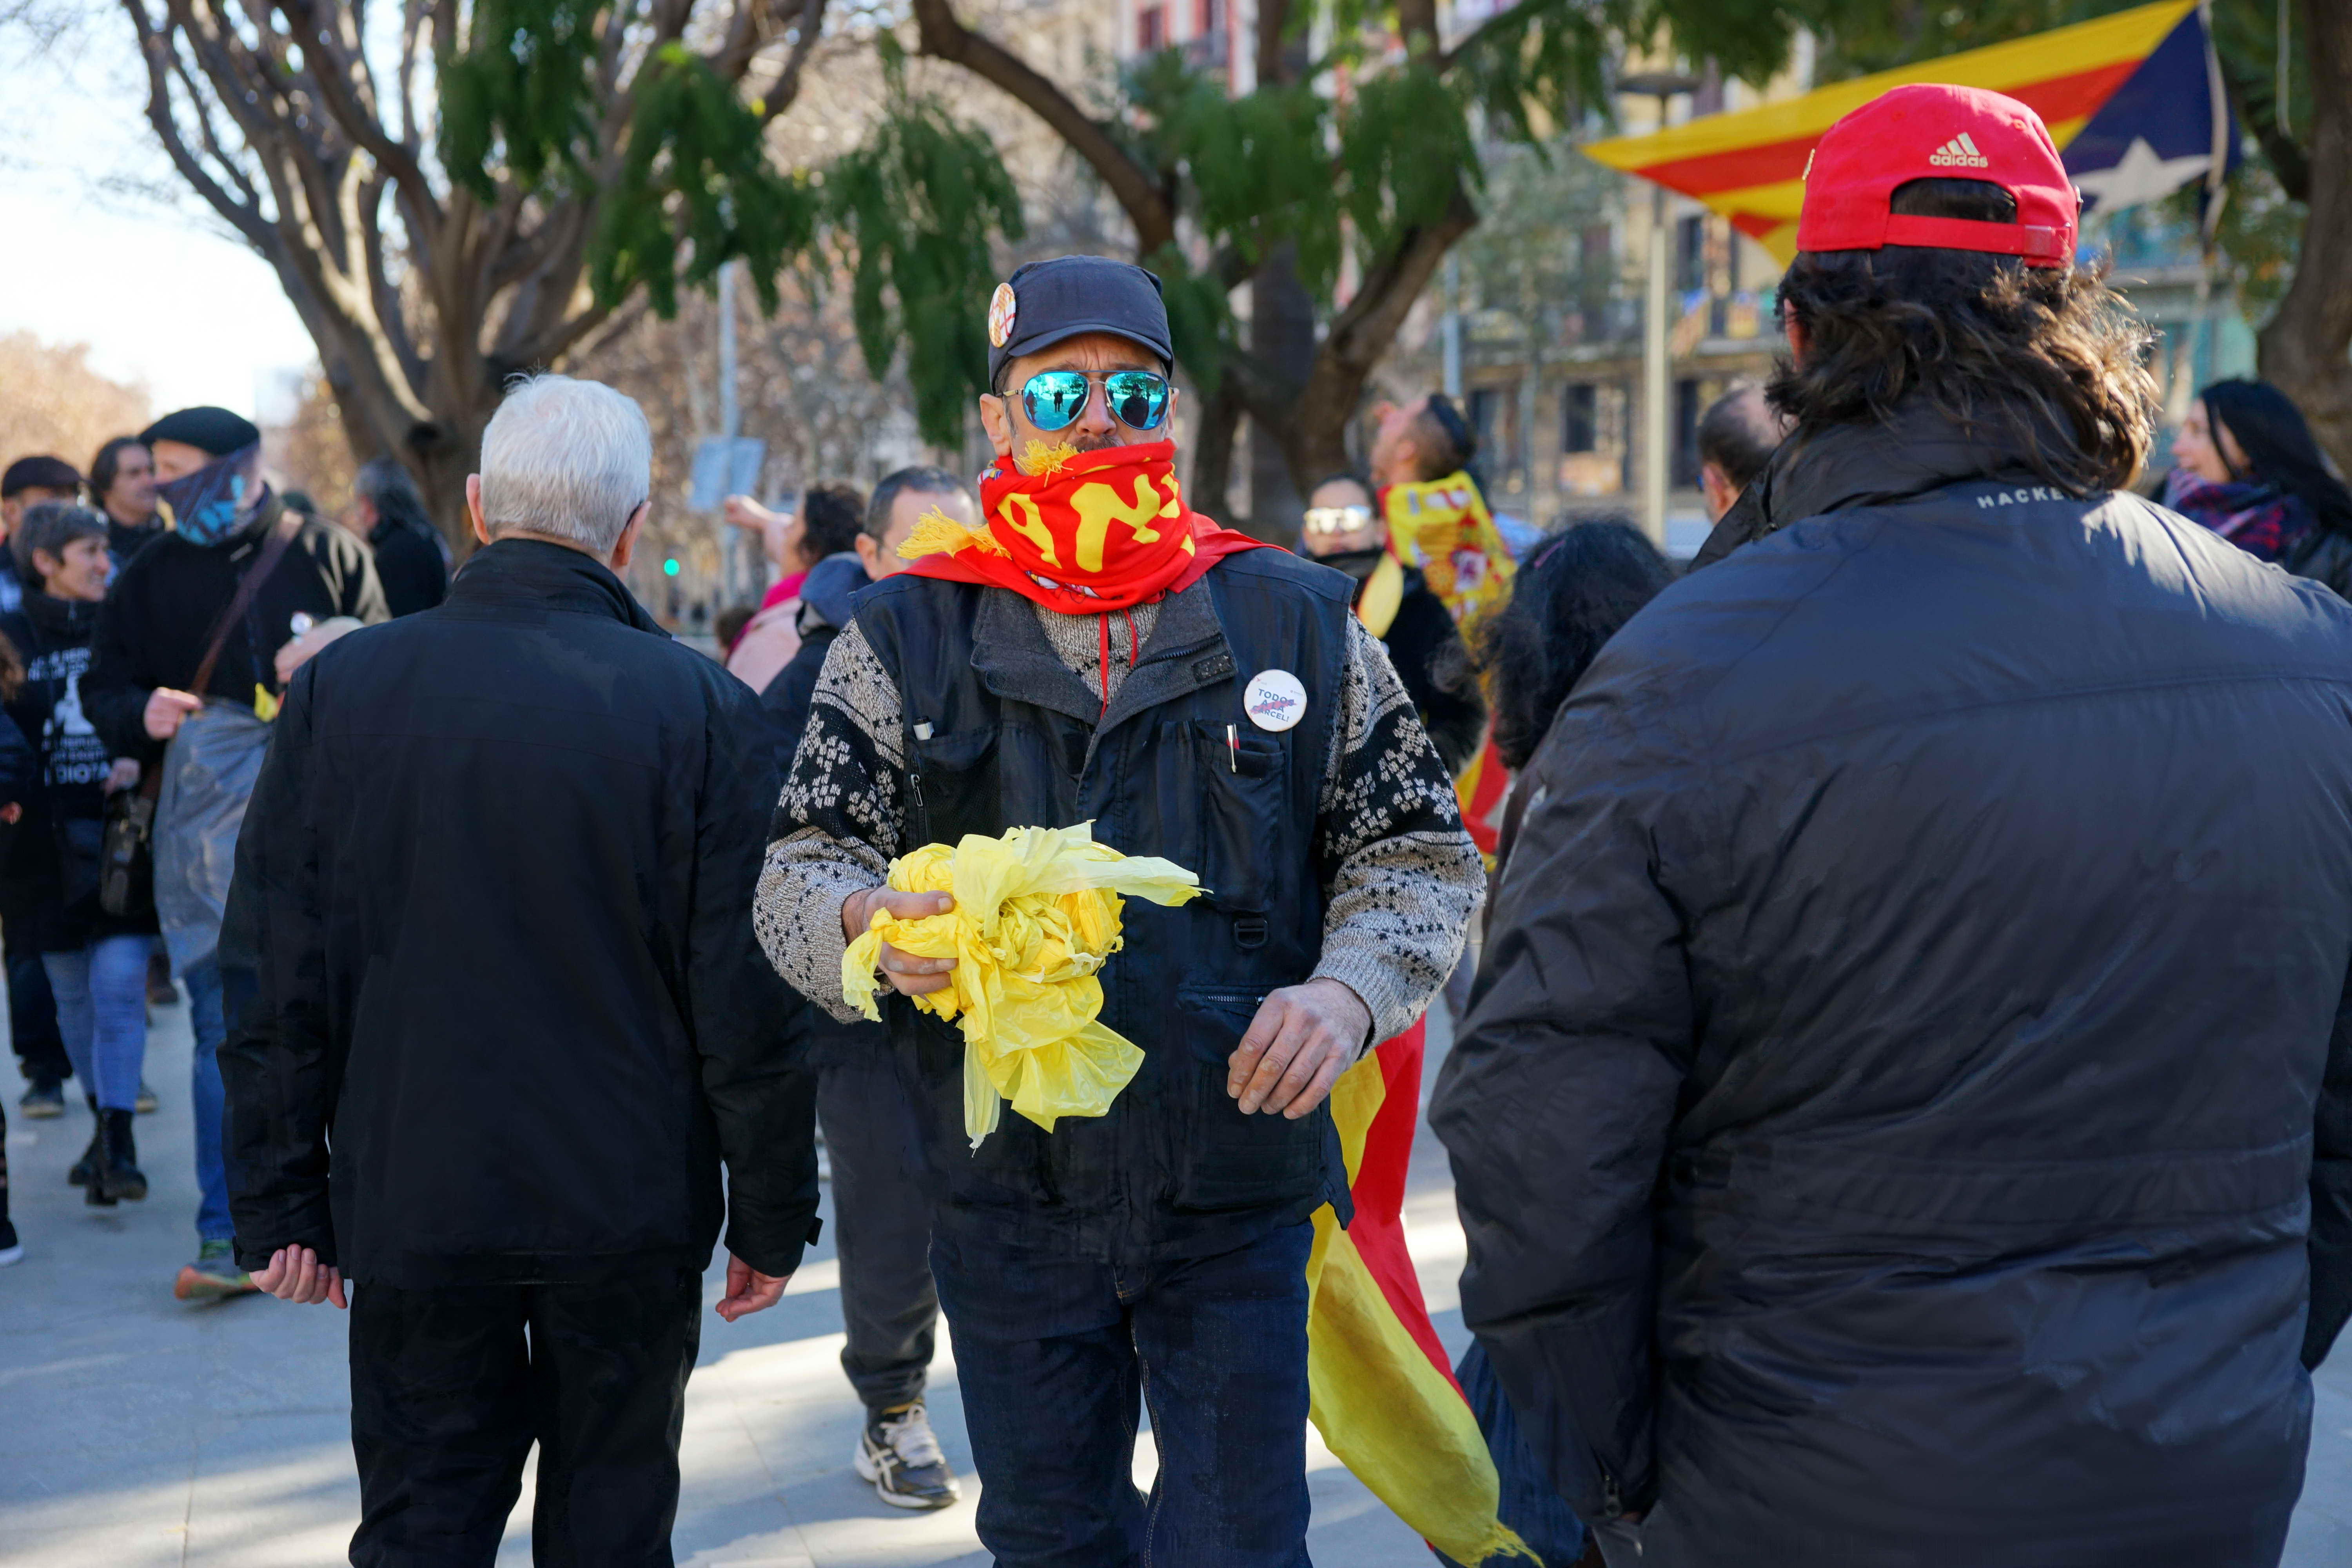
{"x": 1037, "y": 913}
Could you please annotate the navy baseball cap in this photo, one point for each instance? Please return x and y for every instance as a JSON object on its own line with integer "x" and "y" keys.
{"x": 1048, "y": 303}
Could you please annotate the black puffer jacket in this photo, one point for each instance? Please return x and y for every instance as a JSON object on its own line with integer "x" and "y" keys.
{"x": 1908, "y": 1105}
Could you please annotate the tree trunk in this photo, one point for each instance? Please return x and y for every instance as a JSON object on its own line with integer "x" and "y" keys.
{"x": 2307, "y": 350}
{"x": 1282, "y": 337}
{"x": 1213, "y": 456}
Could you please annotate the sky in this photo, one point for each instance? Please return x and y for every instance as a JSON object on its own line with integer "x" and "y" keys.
{"x": 157, "y": 289}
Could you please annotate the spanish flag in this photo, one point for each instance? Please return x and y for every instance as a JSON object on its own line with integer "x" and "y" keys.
{"x": 2128, "y": 100}
{"x": 1379, "y": 1389}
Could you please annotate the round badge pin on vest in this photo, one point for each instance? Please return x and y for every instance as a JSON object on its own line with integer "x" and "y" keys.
{"x": 1274, "y": 701}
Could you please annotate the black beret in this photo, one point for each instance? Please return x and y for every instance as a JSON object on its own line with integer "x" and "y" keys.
{"x": 39, "y": 473}
{"x": 205, "y": 428}
{"x": 1046, "y": 302}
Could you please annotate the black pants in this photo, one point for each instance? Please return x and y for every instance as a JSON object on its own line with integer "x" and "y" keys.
{"x": 450, "y": 1388}
{"x": 33, "y": 1010}
{"x": 883, "y": 1227}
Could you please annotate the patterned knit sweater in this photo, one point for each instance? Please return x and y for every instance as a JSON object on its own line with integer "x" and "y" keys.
{"x": 1402, "y": 877}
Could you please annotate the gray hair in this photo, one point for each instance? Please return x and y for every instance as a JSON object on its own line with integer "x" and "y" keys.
{"x": 922, "y": 479}
{"x": 51, "y": 525}
{"x": 566, "y": 459}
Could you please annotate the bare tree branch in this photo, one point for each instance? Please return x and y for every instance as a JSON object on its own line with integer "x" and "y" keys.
{"x": 1133, "y": 186}
{"x": 329, "y": 42}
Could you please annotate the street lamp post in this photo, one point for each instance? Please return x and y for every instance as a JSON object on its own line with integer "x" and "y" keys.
{"x": 1656, "y": 385}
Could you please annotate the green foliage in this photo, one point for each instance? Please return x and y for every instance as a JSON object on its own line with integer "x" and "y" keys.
{"x": 919, "y": 203}
{"x": 521, "y": 94}
{"x": 697, "y": 176}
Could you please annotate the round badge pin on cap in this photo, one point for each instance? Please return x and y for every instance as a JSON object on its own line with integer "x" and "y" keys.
{"x": 1002, "y": 310}
{"x": 1274, "y": 701}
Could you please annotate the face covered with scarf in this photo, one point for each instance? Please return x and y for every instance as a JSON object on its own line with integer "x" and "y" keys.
{"x": 1084, "y": 520}
{"x": 219, "y": 500}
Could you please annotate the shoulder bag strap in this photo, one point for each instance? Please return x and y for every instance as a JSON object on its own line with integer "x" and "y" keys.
{"x": 273, "y": 549}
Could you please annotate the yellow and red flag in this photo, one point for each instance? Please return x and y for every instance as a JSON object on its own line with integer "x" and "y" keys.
{"x": 1379, "y": 1389}
{"x": 2127, "y": 98}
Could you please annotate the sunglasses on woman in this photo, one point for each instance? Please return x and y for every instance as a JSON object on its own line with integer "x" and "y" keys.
{"x": 1054, "y": 399}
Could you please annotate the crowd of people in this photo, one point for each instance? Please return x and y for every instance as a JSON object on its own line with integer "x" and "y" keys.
{"x": 1891, "y": 1119}
{"x": 151, "y": 615}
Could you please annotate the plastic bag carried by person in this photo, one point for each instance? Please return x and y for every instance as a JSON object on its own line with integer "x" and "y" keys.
{"x": 1036, "y": 912}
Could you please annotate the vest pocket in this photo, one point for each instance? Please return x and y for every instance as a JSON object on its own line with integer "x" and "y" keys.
{"x": 1226, "y": 1160}
{"x": 949, "y": 781}
{"x": 1242, "y": 780}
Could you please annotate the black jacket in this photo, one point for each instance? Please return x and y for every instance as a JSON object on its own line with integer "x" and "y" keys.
{"x": 1422, "y": 640}
{"x": 490, "y": 939}
{"x": 52, "y": 862}
{"x": 160, "y": 610}
{"x": 412, "y": 565}
{"x": 1908, "y": 1105}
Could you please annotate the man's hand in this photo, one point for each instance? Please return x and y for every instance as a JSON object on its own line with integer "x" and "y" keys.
{"x": 1303, "y": 1038}
{"x": 907, "y": 975}
{"x": 749, "y": 1291}
{"x": 125, "y": 774}
{"x": 166, "y": 710}
{"x": 294, "y": 655}
{"x": 294, "y": 1275}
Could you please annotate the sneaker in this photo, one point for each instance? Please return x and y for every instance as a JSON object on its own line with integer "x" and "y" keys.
{"x": 11, "y": 1249}
{"x": 145, "y": 1102}
{"x": 44, "y": 1101}
{"x": 900, "y": 1454}
{"x": 213, "y": 1276}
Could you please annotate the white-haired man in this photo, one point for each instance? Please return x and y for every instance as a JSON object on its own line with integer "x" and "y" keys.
{"x": 487, "y": 926}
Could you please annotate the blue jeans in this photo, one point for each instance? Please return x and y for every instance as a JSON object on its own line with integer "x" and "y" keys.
{"x": 209, "y": 1100}
{"x": 101, "y": 997}
{"x": 1055, "y": 1356}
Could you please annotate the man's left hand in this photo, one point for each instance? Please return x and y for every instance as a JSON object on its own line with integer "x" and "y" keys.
{"x": 1303, "y": 1038}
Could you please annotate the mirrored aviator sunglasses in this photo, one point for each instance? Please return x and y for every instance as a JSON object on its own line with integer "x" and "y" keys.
{"x": 1054, "y": 399}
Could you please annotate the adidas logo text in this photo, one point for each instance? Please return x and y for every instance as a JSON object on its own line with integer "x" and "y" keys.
{"x": 1959, "y": 152}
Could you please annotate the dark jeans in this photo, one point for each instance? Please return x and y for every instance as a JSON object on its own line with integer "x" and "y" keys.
{"x": 882, "y": 1226}
{"x": 33, "y": 1030}
{"x": 450, "y": 1387}
{"x": 1054, "y": 1354}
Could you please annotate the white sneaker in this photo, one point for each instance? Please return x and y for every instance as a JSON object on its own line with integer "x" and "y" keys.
{"x": 900, "y": 1455}
{"x": 13, "y": 1251}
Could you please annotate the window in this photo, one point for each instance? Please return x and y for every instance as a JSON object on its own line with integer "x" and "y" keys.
{"x": 1686, "y": 447}
{"x": 1480, "y": 409}
{"x": 1579, "y": 417}
{"x": 1690, "y": 255}
{"x": 1150, "y": 29}
{"x": 1208, "y": 17}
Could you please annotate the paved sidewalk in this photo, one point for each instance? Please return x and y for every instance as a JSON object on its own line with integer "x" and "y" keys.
{"x": 139, "y": 1432}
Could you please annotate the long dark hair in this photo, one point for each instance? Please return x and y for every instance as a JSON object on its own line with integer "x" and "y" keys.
{"x": 385, "y": 484}
{"x": 2269, "y": 429}
{"x": 2048, "y": 358}
{"x": 109, "y": 463}
{"x": 1581, "y": 585}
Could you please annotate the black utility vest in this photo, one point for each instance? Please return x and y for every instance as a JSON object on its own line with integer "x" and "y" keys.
{"x": 999, "y": 734}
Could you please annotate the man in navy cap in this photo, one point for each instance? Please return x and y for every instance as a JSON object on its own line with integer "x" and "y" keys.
{"x": 1095, "y": 651}
{"x": 167, "y": 645}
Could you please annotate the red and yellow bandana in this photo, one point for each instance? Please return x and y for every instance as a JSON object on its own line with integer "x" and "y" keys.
{"x": 1081, "y": 533}
{"x": 1442, "y": 527}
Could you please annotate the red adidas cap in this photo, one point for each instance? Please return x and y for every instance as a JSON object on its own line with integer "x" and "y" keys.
{"x": 1925, "y": 132}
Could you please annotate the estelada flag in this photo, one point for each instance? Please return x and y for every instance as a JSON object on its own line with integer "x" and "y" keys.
{"x": 1379, "y": 1387}
{"x": 2129, "y": 100}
